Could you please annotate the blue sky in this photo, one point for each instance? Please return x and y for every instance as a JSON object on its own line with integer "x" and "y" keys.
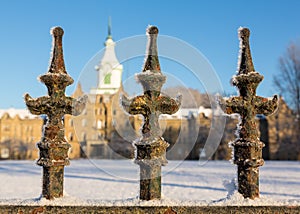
{"x": 209, "y": 26}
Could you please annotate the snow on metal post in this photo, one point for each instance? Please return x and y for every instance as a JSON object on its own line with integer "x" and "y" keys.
{"x": 151, "y": 147}
{"x": 53, "y": 145}
{"x": 248, "y": 147}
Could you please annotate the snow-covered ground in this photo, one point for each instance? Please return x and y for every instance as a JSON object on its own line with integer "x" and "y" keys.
{"x": 115, "y": 182}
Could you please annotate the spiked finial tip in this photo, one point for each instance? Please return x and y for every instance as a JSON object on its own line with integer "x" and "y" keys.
{"x": 57, "y": 62}
{"x": 57, "y": 76}
{"x": 245, "y": 64}
{"x": 152, "y": 30}
{"x": 57, "y": 31}
{"x": 244, "y": 33}
{"x": 151, "y": 59}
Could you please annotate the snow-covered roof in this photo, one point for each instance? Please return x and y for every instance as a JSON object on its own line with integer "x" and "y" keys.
{"x": 206, "y": 111}
{"x": 188, "y": 112}
{"x": 22, "y": 113}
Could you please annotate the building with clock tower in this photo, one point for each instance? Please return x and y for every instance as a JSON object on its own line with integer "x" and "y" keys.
{"x": 93, "y": 130}
{"x": 109, "y": 70}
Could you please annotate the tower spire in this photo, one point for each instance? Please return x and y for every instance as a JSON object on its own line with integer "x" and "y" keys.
{"x": 109, "y": 28}
{"x": 109, "y": 69}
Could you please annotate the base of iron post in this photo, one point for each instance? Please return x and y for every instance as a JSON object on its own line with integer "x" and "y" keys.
{"x": 53, "y": 182}
{"x": 248, "y": 181}
{"x": 248, "y": 158}
{"x": 150, "y": 181}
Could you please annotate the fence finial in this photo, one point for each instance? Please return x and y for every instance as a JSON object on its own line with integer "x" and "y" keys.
{"x": 248, "y": 147}
{"x": 53, "y": 145}
{"x": 151, "y": 147}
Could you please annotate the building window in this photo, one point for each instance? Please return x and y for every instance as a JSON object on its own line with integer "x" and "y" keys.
{"x": 99, "y": 124}
{"x": 6, "y": 128}
{"x": 4, "y": 153}
{"x": 100, "y": 100}
{"x": 107, "y": 78}
{"x": 71, "y": 136}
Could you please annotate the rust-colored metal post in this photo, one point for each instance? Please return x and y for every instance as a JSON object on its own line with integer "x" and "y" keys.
{"x": 248, "y": 147}
{"x": 151, "y": 148}
{"x": 53, "y": 145}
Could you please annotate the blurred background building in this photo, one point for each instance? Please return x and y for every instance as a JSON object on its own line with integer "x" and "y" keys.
{"x": 99, "y": 131}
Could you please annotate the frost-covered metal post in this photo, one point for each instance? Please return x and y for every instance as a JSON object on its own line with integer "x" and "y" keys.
{"x": 53, "y": 145}
{"x": 248, "y": 147}
{"x": 151, "y": 147}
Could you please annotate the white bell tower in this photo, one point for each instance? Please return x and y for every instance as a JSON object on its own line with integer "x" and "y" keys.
{"x": 109, "y": 69}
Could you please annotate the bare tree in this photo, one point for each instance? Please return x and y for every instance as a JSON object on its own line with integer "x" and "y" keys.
{"x": 288, "y": 80}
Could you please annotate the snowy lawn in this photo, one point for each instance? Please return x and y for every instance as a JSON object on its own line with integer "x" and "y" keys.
{"x": 115, "y": 182}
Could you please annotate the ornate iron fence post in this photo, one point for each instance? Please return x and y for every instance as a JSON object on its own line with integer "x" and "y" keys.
{"x": 53, "y": 145}
{"x": 248, "y": 147}
{"x": 151, "y": 148}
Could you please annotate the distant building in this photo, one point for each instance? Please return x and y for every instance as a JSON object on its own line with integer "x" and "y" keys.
{"x": 92, "y": 130}
{"x": 104, "y": 130}
{"x": 283, "y": 141}
{"x": 99, "y": 128}
{"x": 19, "y": 133}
